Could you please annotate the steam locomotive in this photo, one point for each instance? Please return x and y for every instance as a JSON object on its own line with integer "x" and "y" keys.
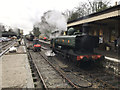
{"x": 76, "y": 46}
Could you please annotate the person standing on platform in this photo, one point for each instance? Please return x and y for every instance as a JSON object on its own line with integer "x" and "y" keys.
{"x": 19, "y": 41}
{"x": 115, "y": 44}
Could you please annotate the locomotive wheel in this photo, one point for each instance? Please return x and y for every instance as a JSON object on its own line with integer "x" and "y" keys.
{"x": 100, "y": 62}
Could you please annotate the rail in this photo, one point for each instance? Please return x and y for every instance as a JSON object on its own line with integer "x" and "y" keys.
{"x": 4, "y": 51}
{"x": 75, "y": 86}
{"x": 30, "y": 58}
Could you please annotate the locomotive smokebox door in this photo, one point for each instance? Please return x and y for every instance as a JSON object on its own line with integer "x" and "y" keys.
{"x": 36, "y": 45}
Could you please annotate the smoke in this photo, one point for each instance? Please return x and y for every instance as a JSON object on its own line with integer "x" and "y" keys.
{"x": 4, "y": 27}
{"x": 52, "y": 21}
{"x": 16, "y": 30}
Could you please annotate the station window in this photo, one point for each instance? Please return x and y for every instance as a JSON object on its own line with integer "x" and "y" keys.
{"x": 95, "y": 32}
{"x": 100, "y": 36}
{"x": 101, "y": 32}
{"x": 113, "y": 36}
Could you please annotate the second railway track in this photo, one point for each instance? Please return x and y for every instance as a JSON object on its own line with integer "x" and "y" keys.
{"x": 5, "y": 47}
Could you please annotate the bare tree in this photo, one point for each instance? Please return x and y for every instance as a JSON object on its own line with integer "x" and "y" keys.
{"x": 87, "y": 8}
{"x": 98, "y": 5}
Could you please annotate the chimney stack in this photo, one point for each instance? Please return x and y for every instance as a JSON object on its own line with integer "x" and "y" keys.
{"x": 116, "y": 3}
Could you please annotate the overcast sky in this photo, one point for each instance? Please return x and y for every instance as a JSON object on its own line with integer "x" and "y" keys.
{"x": 24, "y": 13}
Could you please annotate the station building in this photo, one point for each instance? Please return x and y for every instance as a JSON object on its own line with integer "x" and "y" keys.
{"x": 105, "y": 24}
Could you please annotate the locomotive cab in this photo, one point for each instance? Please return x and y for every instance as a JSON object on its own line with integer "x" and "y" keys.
{"x": 72, "y": 31}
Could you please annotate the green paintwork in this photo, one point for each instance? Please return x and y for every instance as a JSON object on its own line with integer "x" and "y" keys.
{"x": 59, "y": 40}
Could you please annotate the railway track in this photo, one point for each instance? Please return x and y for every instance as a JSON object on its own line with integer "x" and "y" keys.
{"x": 4, "y": 44}
{"x": 107, "y": 79}
{"x": 5, "y": 47}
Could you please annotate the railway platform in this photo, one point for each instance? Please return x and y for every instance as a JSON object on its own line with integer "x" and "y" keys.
{"x": 110, "y": 55}
{"x": 15, "y": 70}
{"x": 112, "y": 61}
